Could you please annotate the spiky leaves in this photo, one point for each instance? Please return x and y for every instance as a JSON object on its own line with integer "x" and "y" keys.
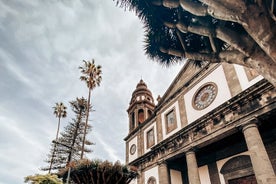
{"x": 60, "y": 110}
{"x": 91, "y": 74}
{"x": 96, "y": 171}
{"x": 240, "y": 32}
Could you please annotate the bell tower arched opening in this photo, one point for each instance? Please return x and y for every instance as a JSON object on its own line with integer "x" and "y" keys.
{"x": 149, "y": 113}
{"x": 132, "y": 121}
{"x": 141, "y": 116}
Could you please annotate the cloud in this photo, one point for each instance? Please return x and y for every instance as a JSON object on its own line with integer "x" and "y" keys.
{"x": 42, "y": 45}
{"x": 112, "y": 153}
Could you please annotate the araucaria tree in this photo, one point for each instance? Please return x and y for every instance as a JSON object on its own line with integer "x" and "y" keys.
{"x": 60, "y": 112}
{"x": 69, "y": 145}
{"x": 234, "y": 31}
{"x": 92, "y": 77}
{"x": 74, "y": 132}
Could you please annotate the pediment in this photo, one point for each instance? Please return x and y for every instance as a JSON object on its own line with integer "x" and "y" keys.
{"x": 187, "y": 75}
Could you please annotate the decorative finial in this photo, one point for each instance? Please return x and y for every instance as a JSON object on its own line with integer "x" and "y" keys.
{"x": 158, "y": 98}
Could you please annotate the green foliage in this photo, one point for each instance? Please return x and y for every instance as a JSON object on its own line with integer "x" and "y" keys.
{"x": 97, "y": 171}
{"x": 43, "y": 179}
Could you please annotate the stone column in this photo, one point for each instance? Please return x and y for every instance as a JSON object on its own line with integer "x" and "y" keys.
{"x": 163, "y": 173}
{"x": 193, "y": 174}
{"x": 260, "y": 161}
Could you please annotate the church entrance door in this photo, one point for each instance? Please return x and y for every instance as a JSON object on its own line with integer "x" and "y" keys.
{"x": 244, "y": 180}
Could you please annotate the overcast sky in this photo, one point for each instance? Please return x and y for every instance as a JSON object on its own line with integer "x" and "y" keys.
{"x": 42, "y": 43}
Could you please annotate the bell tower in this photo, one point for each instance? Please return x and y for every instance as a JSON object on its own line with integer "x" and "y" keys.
{"x": 141, "y": 105}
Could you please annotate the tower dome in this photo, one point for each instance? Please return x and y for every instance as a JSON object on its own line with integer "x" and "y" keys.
{"x": 141, "y": 105}
{"x": 141, "y": 93}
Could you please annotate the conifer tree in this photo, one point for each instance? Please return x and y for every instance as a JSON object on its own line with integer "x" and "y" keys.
{"x": 69, "y": 144}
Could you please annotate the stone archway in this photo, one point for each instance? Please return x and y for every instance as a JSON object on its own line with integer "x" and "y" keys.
{"x": 244, "y": 180}
{"x": 238, "y": 170}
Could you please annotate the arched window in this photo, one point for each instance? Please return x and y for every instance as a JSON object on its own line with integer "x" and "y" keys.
{"x": 132, "y": 126}
{"x": 141, "y": 116}
{"x": 149, "y": 113}
{"x": 151, "y": 180}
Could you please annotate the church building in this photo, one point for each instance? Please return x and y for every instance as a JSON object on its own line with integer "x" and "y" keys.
{"x": 214, "y": 125}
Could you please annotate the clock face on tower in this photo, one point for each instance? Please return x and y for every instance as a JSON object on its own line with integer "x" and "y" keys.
{"x": 204, "y": 96}
{"x": 132, "y": 149}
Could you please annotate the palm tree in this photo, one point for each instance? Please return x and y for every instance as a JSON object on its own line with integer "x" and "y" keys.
{"x": 60, "y": 112}
{"x": 92, "y": 77}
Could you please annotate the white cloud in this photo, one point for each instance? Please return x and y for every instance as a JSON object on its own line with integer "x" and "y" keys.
{"x": 112, "y": 153}
{"x": 42, "y": 45}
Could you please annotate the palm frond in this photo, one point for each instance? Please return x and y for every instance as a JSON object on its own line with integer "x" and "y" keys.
{"x": 91, "y": 74}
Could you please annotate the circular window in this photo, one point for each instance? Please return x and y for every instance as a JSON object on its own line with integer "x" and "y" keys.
{"x": 132, "y": 149}
{"x": 204, "y": 96}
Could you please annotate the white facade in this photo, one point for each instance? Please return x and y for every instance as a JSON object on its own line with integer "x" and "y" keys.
{"x": 153, "y": 172}
{"x": 204, "y": 174}
{"x": 200, "y": 130}
{"x": 176, "y": 177}
{"x": 135, "y": 155}
{"x": 176, "y": 107}
{"x": 243, "y": 79}
{"x": 152, "y": 126}
{"x": 223, "y": 94}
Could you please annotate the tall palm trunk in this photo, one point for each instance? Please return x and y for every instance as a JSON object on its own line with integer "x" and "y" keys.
{"x": 58, "y": 128}
{"x": 86, "y": 122}
{"x": 52, "y": 159}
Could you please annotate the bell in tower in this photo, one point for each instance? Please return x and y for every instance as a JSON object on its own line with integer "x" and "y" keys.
{"x": 141, "y": 105}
